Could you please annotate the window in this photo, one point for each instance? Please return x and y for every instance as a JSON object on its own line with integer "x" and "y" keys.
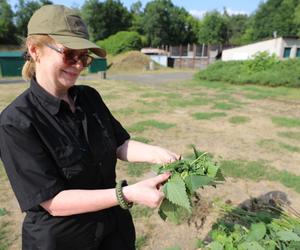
{"x": 298, "y": 52}
{"x": 287, "y": 52}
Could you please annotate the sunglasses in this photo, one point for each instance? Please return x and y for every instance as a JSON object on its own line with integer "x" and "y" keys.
{"x": 70, "y": 57}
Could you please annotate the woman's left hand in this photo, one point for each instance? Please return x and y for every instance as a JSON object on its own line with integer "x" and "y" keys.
{"x": 134, "y": 151}
{"x": 163, "y": 156}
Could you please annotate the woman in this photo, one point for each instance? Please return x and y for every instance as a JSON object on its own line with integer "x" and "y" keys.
{"x": 59, "y": 144}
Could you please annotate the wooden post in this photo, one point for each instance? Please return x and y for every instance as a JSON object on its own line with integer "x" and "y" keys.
{"x": 180, "y": 56}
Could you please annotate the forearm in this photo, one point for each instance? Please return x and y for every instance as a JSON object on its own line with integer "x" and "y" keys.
{"x": 71, "y": 202}
{"x": 134, "y": 151}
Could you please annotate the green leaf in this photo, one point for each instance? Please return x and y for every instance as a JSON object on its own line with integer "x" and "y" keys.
{"x": 287, "y": 236}
{"x": 270, "y": 245}
{"x": 294, "y": 245}
{"x": 176, "y": 193}
{"x": 257, "y": 232}
{"x": 253, "y": 245}
{"x": 215, "y": 246}
{"x": 297, "y": 229}
{"x": 193, "y": 182}
{"x": 196, "y": 153}
{"x": 212, "y": 170}
{"x": 172, "y": 212}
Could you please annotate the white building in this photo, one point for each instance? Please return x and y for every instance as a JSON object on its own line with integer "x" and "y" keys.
{"x": 282, "y": 47}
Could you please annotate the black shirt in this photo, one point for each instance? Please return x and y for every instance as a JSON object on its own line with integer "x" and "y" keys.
{"x": 46, "y": 148}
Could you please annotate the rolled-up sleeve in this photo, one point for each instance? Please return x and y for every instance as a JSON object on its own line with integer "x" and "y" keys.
{"x": 30, "y": 169}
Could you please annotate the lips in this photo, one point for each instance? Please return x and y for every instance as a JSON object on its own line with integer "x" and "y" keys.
{"x": 71, "y": 73}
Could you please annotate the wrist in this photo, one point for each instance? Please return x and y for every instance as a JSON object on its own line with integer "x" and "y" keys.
{"x": 121, "y": 198}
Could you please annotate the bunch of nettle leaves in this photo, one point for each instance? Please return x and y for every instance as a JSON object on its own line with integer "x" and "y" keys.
{"x": 187, "y": 176}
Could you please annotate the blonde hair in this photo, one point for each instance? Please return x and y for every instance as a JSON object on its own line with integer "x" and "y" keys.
{"x": 28, "y": 70}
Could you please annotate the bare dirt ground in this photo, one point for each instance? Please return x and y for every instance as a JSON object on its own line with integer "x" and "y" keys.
{"x": 254, "y": 140}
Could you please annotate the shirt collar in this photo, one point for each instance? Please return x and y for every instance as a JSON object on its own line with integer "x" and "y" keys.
{"x": 51, "y": 103}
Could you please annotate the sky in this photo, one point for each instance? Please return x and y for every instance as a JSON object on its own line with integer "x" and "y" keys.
{"x": 195, "y": 7}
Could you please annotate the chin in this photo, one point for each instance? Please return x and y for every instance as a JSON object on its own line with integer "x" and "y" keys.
{"x": 68, "y": 81}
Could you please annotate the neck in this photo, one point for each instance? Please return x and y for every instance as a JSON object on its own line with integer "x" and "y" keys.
{"x": 52, "y": 88}
{"x": 61, "y": 93}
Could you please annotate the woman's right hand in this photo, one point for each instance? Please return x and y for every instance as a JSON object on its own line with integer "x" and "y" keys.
{"x": 147, "y": 192}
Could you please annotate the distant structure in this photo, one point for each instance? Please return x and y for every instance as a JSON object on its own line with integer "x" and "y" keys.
{"x": 188, "y": 56}
{"x": 282, "y": 47}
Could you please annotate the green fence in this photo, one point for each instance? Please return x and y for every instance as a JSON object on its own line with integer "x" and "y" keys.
{"x": 98, "y": 65}
{"x": 11, "y": 63}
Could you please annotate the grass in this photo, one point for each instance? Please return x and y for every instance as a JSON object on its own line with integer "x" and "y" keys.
{"x": 290, "y": 148}
{"x": 225, "y": 106}
{"x": 269, "y": 144}
{"x": 143, "y": 125}
{"x": 138, "y": 211}
{"x": 208, "y": 115}
{"x": 258, "y": 170}
{"x": 173, "y": 248}
{"x": 160, "y": 94}
{"x": 123, "y": 111}
{"x": 142, "y": 101}
{"x": 148, "y": 111}
{"x": 261, "y": 92}
{"x": 137, "y": 169}
{"x": 275, "y": 146}
{"x": 286, "y": 122}
{"x": 141, "y": 139}
{"x": 3, "y": 212}
{"x": 4, "y": 233}
{"x": 239, "y": 119}
{"x": 290, "y": 135}
{"x": 187, "y": 101}
{"x": 141, "y": 241}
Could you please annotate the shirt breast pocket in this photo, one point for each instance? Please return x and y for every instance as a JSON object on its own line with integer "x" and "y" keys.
{"x": 69, "y": 161}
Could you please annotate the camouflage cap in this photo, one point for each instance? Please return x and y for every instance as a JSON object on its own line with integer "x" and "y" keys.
{"x": 64, "y": 25}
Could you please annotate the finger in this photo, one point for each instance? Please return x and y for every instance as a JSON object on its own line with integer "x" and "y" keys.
{"x": 161, "y": 178}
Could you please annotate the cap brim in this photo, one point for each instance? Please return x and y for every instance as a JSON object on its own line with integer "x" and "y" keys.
{"x": 72, "y": 42}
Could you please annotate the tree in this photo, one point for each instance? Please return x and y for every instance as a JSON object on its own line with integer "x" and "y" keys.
{"x": 24, "y": 11}
{"x": 213, "y": 29}
{"x": 275, "y": 16}
{"x": 136, "y": 13}
{"x": 236, "y": 27}
{"x": 7, "y": 27}
{"x": 136, "y": 8}
{"x": 164, "y": 23}
{"x": 297, "y": 19}
{"x": 105, "y": 18}
{"x": 193, "y": 26}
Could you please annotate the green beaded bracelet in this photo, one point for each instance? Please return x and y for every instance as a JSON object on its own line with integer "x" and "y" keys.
{"x": 120, "y": 196}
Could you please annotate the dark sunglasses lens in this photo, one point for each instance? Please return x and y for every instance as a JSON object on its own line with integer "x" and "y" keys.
{"x": 71, "y": 58}
{"x": 84, "y": 60}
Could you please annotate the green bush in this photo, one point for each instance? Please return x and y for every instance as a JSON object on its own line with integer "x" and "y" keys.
{"x": 261, "y": 61}
{"x": 262, "y": 70}
{"x": 121, "y": 42}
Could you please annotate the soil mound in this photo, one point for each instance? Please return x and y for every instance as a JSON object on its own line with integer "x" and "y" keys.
{"x": 130, "y": 61}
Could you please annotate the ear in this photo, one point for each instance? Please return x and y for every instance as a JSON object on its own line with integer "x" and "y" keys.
{"x": 33, "y": 51}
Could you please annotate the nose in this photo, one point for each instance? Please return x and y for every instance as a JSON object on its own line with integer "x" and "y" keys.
{"x": 79, "y": 64}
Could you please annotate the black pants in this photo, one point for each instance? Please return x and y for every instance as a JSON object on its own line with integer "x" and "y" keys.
{"x": 114, "y": 241}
